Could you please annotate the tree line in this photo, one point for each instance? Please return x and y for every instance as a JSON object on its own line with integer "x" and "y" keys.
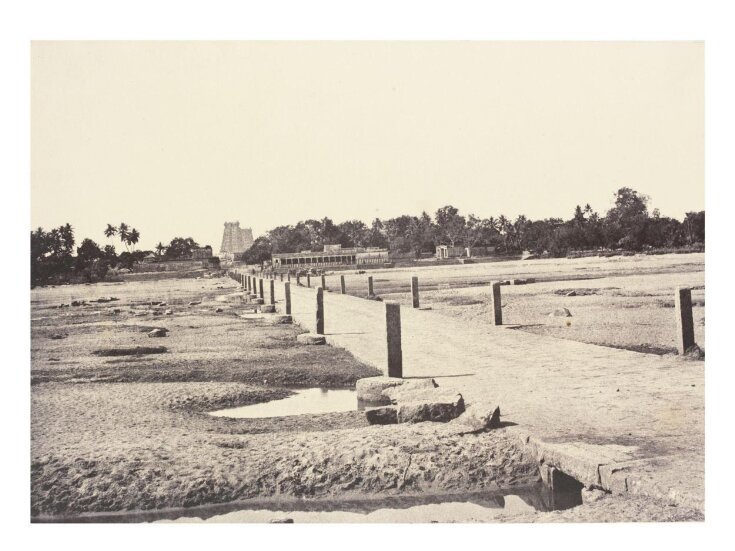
{"x": 627, "y": 226}
{"x": 54, "y": 259}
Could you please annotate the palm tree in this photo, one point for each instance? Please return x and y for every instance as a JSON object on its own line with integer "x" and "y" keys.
{"x": 503, "y": 225}
{"x": 160, "y": 248}
{"x": 133, "y": 237}
{"x": 110, "y": 231}
{"x": 123, "y": 233}
{"x": 519, "y": 230}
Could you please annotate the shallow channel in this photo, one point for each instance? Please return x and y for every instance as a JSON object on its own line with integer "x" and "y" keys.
{"x": 464, "y": 507}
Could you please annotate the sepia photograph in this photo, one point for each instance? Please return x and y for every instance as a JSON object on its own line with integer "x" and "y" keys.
{"x": 430, "y": 281}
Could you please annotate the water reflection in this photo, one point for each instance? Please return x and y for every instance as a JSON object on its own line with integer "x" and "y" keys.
{"x": 311, "y": 401}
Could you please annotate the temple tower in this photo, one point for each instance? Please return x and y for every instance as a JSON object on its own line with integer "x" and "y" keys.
{"x": 235, "y": 240}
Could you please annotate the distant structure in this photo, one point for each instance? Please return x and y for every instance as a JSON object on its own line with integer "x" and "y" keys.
{"x": 201, "y": 253}
{"x": 332, "y": 256}
{"x": 235, "y": 241}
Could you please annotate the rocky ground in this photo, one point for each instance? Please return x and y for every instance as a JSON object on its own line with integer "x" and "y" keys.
{"x": 130, "y": 432}
{"x": 112, "y": 431}
{"x": 634, "y": 312}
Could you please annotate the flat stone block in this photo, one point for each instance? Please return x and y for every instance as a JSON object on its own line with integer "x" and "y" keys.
{"x": 382, "y": 416}
{"x": 411, "y": 390}
{"x": 370, "y": 389}
{"x": 258, "y": 301}
{"x": 268, "y": 309}
{"x": 583, "y": 461}
{"x": 232, "y": 297}
{"x": 481, "y": 416}
{"x": 311, "y": 338}
{"x": 280, "y": 320}
{"x": 253, "y": 316}
{"x": 418, "y": 412}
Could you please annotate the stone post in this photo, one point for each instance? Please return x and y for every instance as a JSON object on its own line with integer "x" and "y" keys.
{"x": 342, "y": 286}
{"x": 370, "y": 286}
{"x": 272, "y": 291}
{"x": 684, "y": 319}
{"x": 287, "y": 297}
{"x": 248, "y": 283}
{"x": 260, "y": 288}
{"x": 308, "y": 280}
{"x": 281, "y": 275}
{"x": 393, "y": 334}
{"x": 319, "y": 311}
{"x": 324, "y": 282}
{"x": 415, "y": 291}
{"x": 298, "y": 279}
{"x": 288, "y": 276}
{"x": 496, "y": 303}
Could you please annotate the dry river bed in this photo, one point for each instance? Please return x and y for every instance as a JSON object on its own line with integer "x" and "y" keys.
{"x": 131, "y": 432}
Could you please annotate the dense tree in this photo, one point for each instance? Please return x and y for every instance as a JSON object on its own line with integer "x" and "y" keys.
{"x": 180, "y": 248}
{"x": 422, "y": 234}
{"x": 397, "y": 231}
{"x": 625, "y": 223}
{"x": 88, "y": 251}
{"x": 693, "y": 227}
{"x": 450, "y": 224}
{"x": 355, "y": 233}
{"x": 259, "y": 252}
{"x": 377, "y": 237}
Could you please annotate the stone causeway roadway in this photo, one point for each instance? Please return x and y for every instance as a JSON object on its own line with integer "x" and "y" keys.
{"x": 620, "y": 420}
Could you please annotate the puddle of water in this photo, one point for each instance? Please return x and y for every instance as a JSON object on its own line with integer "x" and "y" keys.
{"x": 434, "y": 512}
{"x": 473, "y": 507}
{"x": 306, "y": 401}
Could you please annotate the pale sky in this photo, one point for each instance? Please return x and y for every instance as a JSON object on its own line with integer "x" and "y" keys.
{"x": 175, "y": 138}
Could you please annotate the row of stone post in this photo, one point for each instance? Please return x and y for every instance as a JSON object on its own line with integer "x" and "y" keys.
{"x": 682, "y": 299}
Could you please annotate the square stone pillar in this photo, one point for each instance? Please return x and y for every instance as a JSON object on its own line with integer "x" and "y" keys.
{"x": 319, "y": 311}
{"x": 684, "y": 320}
{"x": 495, "y": 302}
{"x": 415, "y": 291}
{"x": 393, "y": 335}
{"x": 287, "y": 297}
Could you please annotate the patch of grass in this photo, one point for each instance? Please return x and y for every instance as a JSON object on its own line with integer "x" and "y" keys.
{"x": 580, "y": 292}
{"x": 130, "y": 351}
{"x": 461, "y": 300}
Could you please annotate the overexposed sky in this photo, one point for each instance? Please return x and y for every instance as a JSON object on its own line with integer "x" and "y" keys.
{"x": 176, "y": 138}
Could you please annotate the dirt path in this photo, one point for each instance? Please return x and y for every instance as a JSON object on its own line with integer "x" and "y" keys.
{"x": 634, "y": 422}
